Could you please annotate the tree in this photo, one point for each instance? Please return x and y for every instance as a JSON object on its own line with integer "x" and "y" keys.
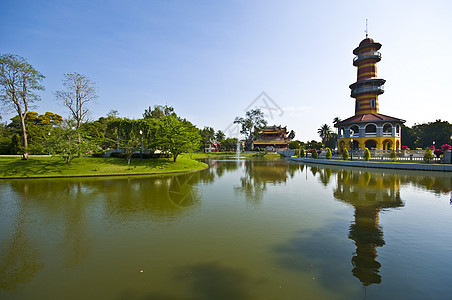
{"x": 294, "y": 145}
{"x": 345, "y": 154}
{"x": 366, "y": 154}
{"x": 79, "y": 90}
{"x": 328, "y": 153}
{"x": 428, "y": 155}
{"x": 314, "y": 153}
{"x": 229, "y": 144}
{"x": 302, "y": 152}
{"x": 207, "y": 135}
{"x": 325, "y": 132}
{"x": 251, "y": 125}
{"x": 177, "y": 136}
{"x": 220, "y": 136}
{"x": 18, "y": 83}
{"x": 159, "y": 111}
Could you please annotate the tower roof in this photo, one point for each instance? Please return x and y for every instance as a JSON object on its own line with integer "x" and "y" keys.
{"x": 367, "y": 43}
{"x": 374, "y": 117}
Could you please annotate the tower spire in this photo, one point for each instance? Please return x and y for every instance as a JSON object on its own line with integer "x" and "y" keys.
{"x": 366, "y": 29}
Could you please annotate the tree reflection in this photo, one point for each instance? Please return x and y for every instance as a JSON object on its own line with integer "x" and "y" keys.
{"x": 368, "y": 193}
{"x": 19, "y": 261}
{"x": 258, "y": 174}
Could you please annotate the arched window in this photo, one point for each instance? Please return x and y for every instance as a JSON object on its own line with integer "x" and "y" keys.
{"x": 354, "y": 130}
{"x": 398, "y": 129}
{"x": 371, "y": 129}
{"x": 387, "y": 128}
{"x": 341, "y": 131}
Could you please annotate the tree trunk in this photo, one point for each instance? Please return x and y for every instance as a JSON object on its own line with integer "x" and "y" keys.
{"x": 24, "y": 136}
{"x": 175, "y": 157}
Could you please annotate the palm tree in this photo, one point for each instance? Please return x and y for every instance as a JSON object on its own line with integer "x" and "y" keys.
{"x": 337, "y": 120}
{"x": 325, "y": 132}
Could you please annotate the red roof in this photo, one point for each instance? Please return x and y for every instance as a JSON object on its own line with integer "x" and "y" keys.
{"x": 368, "y": 118}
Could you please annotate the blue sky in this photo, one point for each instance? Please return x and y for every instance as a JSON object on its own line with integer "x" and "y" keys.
{"x": 211, "y": 59}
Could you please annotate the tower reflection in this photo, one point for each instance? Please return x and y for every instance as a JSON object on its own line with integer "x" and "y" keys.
{"x": 369, "y": 193}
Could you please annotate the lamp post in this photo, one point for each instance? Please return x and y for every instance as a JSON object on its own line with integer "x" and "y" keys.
{"x": 351, "y": 148}
{"x": 141, "y": 140}
{"x": 49, "y": 138}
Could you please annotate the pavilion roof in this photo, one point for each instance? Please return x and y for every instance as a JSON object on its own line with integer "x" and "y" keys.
{"x": 374, "y": 117}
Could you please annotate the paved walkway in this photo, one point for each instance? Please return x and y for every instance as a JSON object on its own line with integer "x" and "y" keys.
{"x": 382, "y": 165}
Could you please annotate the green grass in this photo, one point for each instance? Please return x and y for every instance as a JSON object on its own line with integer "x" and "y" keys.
{"x": 90, "y": 166}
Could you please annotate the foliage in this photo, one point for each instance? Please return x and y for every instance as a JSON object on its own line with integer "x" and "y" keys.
{"x": 313, "y": 145}
{"x": 297, "y": 152}
{"x": 68, "y": 142}
{"x": 207, "y": 134}
{"x": 446, "y": 147}
{"x": 229, "y": 144}
{"x": 428, "y": 155}
{"x": 159, "y": 111}
{"x": 294, "y": 145}
{"x": 220, "y": 136}
{"x": 328, "y": 153}
{"x": 177, "y": 136}
{"x": 250, "y": 126}
{"x": 393, "y": 155}
{"x": 78, "y": 91}
{"x": 332, "y": 141}
{"x": 366, "y": 154}
{"x": 302, "y": 153}
{"x": 325, "y": 132}
{"x": 314, "y": 154}
{"x": 345, "y": 154}
{"x": 405, "y": 147}
{"x": 18, "y": 83}
{"x": 438, "y": 152}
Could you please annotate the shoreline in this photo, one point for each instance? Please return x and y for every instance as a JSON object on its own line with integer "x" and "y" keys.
{"x": 379, "y": 165}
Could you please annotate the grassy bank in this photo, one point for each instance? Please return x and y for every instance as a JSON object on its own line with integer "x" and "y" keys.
{"x": 90, "y": 166}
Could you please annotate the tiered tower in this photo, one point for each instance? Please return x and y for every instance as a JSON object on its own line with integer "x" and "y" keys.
{"x": 368, "y": 128}
{"x": 367, "y": 86}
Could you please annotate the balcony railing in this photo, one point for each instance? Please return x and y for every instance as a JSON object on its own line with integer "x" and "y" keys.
{"x": 374, "y": 55}
{"x": 367, "y": 89}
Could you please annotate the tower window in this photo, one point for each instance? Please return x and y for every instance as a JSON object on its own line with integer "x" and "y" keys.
{"x": 373, "y": 103}
{"x": 358, "y": 105}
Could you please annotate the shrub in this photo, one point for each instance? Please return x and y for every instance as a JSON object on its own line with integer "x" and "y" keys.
{"x": 328, "y": 153}
{"x": 428, "y": 155}
{"x": 297, "y": 152}
{"x": 405, "y": 148}
{"x": 314, "y": 154}
{"x": 366, "y": 155}
{"x": 438, "y": 152}
{"x": 302, "y": 153}
{"x": 345, "y": 154}
{"x": 393, "y": 155}
{"x": 446, "y": 147}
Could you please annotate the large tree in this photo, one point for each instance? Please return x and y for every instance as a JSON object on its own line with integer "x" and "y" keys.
{"x": 18, "y": 83}
{"x": 159, "y": 111}
{"x": 251, "y": 124}
{"x": 325, "y": 132}
{"x": 78, "y": 91}
{"x": 177, "y": 136}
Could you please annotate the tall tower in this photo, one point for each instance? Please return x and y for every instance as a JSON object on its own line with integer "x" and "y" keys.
{"x": 368, "y": 128}
{"x": 367, "y": 86}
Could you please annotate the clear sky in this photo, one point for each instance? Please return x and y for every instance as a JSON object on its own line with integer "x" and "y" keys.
{"x": 211, "y": 60}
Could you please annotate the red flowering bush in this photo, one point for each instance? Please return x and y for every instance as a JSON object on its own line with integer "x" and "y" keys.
{"x": 438, "y": 152}
{"x": 405, "y": 148}
{"x": 446, "y": 147}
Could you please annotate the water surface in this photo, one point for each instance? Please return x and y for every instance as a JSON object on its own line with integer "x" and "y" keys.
{"x": 239, "y": 230}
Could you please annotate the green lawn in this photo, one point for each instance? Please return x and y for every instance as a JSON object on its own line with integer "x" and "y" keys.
{"x": 89, "y": 166}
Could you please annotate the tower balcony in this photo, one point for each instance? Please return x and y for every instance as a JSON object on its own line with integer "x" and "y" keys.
{"x": 372, "y": 55}
{"x": 377, "y": 89}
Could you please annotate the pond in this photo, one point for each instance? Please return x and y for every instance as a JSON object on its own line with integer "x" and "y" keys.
{"x": 238, "y": 230}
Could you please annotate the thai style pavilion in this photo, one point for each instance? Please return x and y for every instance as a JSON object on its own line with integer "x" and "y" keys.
{"x": 272, "y": 138}
{"x": 368, "y": 128}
